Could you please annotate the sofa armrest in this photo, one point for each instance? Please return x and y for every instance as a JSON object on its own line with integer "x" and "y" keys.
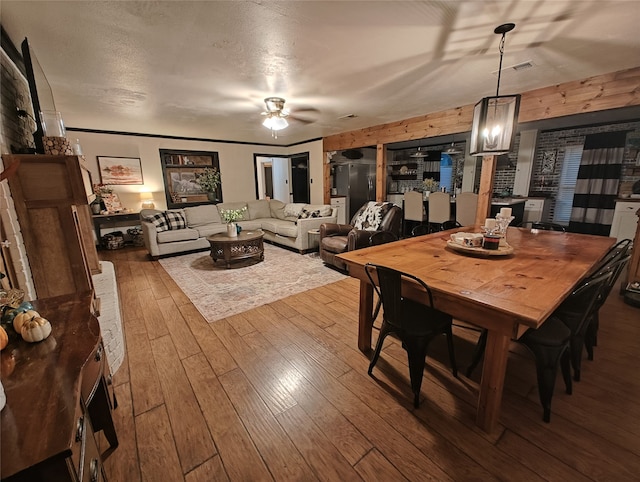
{"x": 150, "y": 237}
{"x": 333, "y": 229}
{"x": 358, "y": 238}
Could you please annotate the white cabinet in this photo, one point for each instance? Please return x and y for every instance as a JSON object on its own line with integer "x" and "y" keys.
{"x": 396, "y": 199}
{"x": 625, "y": 220}
{"x": 534, "y": 210}
{"x": 341, "y": 204}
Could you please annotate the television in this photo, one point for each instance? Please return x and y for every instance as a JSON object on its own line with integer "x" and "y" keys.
{"x": 40, "y": 90}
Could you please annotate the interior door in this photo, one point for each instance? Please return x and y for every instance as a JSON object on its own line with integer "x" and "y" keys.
{"x": 281, "y": 182}
{"x": 300, "y": 179}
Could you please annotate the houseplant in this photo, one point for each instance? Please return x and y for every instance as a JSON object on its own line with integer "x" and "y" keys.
{"x": 230, "y": 217}
{"x": 209, "y": 180}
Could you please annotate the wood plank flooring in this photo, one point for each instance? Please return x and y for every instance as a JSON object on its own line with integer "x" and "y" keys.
{"x": 282, "y": 393}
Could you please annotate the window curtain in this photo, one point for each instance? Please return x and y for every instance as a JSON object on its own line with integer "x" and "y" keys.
{"x": 596, "y": 190}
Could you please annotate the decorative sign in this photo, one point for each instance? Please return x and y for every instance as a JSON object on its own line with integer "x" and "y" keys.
{"x": 548, "y": 161}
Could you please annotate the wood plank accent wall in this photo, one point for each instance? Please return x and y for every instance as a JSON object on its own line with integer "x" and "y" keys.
{"x": 602, "y": 92}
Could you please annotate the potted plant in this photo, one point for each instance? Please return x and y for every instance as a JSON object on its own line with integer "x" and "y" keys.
{"x": 209, "y": 180}
{"x": 230, "y": 217}
{"x": 430, "y": 185}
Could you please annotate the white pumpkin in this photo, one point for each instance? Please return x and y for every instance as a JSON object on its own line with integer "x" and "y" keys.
{"x": 35, "y": 329}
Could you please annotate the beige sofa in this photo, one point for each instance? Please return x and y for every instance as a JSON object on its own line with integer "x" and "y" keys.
{"x": 284, "y": 224}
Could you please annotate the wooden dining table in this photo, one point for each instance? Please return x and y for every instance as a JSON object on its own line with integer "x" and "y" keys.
{"x": 506, "y": 295}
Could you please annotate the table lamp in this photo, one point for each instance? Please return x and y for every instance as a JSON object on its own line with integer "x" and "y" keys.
{"x": 147, "y": 200}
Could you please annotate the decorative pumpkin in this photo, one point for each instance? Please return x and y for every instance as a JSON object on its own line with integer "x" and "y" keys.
{"x": 21, "y": 318}
{"x": 4, "y": 338}
{"x": 36, "y": 329}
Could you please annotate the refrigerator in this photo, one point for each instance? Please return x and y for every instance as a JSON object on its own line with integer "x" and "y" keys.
{"x": 357, "y": 182}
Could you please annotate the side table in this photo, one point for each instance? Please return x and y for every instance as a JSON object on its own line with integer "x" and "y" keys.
{"x": 314, "y": 239}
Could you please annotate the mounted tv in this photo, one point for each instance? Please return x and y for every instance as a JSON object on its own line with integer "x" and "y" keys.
{"x": 40, "y": 90}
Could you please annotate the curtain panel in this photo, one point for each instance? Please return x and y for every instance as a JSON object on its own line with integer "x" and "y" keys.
{"x": 596, "y": 190}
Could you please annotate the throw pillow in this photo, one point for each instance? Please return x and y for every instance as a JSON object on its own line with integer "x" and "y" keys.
{"x": 293, "y": 210}
{"x": 304, "y": 214}
{"x": 159, "y": 220}
{"x": 175, "y": 220}
{"x": 371, "y": 216}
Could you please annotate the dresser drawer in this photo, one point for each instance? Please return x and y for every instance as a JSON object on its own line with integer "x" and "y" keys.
{"x": 92, "y": 372}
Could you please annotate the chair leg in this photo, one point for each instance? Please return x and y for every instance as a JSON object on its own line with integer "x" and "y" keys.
{"x": 416, "y": 354}
{"x": 565, "y": 365}
{"x": 576, "y": 344}
{"x": 477, "y": 352}
{"x": 452, "y": 355}
{"x": 384, "y": 331}
{"x": 591, "y": 336}
{"x": 376, "y": 311}
{"x": 546, "y": 383}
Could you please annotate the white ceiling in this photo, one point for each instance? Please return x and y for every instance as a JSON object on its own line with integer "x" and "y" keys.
{"x": 202, "y": 69}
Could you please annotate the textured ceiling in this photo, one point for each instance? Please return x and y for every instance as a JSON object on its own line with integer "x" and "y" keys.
{"x": 202, "y": 69}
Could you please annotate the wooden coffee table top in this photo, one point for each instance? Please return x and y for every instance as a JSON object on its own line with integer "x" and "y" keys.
{"x": 243, "y": 236}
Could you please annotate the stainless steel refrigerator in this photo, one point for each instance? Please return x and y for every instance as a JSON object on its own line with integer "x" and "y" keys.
{"x": 356, "y": 181}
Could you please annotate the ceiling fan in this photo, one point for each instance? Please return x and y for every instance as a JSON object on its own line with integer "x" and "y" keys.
{"x": 276, "y": 115}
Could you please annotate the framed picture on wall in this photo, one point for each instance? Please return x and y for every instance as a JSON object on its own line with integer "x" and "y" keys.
{"x": 120, "y": 170}
{"x": 548, "y": 161}
{"x": 181, "y": 170}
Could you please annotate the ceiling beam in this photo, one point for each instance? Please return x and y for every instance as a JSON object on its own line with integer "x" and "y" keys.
{"x": 608, "y": 91}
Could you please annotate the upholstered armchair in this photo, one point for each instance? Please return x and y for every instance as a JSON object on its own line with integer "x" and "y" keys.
{"x": 371, "y": 218}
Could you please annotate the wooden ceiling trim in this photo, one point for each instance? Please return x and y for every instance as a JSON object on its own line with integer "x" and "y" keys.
{"x": 603, "y": 92}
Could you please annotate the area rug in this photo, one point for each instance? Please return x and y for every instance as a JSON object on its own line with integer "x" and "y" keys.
{"x": 218, "y": 292}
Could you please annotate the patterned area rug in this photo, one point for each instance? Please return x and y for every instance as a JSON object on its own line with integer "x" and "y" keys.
{"x": 218, "y": 292}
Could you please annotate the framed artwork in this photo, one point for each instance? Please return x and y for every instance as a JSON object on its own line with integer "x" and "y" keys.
{"x": 120, "y": 170}
{"x": 548, "y": 161}
{"x": 181, "y": 170}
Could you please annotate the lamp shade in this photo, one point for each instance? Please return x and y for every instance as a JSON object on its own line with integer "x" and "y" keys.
{"x": 275, "y": 123}
{"x": 494, "y": 125}
{"x": 147, "y": 200}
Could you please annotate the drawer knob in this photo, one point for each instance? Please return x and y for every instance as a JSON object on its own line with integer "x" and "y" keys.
{"x": 93, "y": 470}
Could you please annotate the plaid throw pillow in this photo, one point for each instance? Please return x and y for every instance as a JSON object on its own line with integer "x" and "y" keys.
{"x": 159, "y": 220}
{"x": 175, "y": 220}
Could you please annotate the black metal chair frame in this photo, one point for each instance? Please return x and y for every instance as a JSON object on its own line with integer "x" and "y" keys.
{"x": 548, "y": 226}
{"x": 380, "y": 237}
{"x": 399, "y": 318}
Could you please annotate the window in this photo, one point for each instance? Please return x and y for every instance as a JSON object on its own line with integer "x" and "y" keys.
{"x": 566, "y": 188}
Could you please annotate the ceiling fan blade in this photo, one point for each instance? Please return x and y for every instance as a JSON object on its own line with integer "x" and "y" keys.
{"x": 302, "y": 120}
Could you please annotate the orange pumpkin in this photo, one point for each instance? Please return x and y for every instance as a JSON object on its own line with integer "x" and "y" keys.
{"x": 4, "y": 338}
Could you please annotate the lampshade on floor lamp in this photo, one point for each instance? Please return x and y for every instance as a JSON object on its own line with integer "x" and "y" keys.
{"x": 495, "y": 118}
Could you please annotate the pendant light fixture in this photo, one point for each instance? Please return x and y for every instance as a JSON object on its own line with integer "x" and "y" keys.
{"x": 419, "y": 153}
{"x": 495, "y": 118}
{"x": 452, "y": 149}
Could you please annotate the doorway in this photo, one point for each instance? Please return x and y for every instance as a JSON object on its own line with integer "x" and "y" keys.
{"x": 285, "y": 178}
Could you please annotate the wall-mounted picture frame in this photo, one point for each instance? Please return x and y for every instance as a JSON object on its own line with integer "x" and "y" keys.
{"x": 181, "y": 170}
{"x": 548, "y": 161}
{"x": 120, "y": 170}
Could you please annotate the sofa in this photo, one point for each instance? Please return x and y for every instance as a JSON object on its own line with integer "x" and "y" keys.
{"x": 181, "y": 230}
{"x": 373, "y": 217}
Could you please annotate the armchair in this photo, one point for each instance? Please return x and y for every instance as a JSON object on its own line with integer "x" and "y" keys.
{"x": 371, "y": 218}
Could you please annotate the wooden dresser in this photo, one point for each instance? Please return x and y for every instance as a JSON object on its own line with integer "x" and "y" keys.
{"x": 59, "y": 396}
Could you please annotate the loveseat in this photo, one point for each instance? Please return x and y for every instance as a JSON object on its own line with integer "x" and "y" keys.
{"x": 181, "y": 230}
{"x": 371, "y": 218}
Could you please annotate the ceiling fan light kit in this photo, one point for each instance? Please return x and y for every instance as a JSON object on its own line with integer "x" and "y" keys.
{"x": 495, "y": 118}
{"x": 276, "y": 115}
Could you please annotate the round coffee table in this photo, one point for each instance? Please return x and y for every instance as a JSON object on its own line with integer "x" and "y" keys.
{"x": 248, "y": 244}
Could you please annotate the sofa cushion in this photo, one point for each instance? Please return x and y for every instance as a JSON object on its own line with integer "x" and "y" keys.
{"x": 324, "y": 209}
{"x": 335, "y": 244}
{"x": 259, "y": 209}
{"x": 186, "y": 234}
{"x": 277, "y": 209}
{"x": 176, "y": 220}
{"x": 269, "y": 224}
{"x": 159, "y": 220}
{"x": 211, "y": 229}
{"x": 201, "y": 215}
{"x": 285, "y": 228}
{"x": 371, "y": 216}
{"x": 293, "y": 210}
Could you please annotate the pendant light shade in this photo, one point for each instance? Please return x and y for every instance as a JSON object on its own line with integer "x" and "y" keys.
{"x": 495, "y": 118}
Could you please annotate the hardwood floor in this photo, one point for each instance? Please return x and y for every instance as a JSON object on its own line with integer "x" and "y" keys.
{"x": 281, "y": 392}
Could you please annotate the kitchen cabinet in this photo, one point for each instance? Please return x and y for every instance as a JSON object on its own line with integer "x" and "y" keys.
{"x": 341, "y": 204}
{"x": 396, "y": 199}
{"x": 535, "y": 210}
{"x": 625, "y": 220}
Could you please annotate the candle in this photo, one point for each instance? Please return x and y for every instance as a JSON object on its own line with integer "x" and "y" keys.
{"x": 490, "y": 224}
{"x": 505, "y": 212}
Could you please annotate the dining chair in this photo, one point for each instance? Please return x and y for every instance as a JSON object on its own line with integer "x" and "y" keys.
{"x": 545, "y": 226}
{"x": 380, "y": 237}
{"x": 413, "y": 208}
{"x": 466, "y": 207}
{"x": 451, "y": 224}
{"x": 616, "y": 267}
{"x": 439, "y": 209}
{"x": 420, "y": 230}
{"x": 415, "y": 324}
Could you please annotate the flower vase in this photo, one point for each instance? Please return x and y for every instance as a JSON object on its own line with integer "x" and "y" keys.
{"x": 211, "y": 196}
{"x": 425, "y": 195}
{"x": 232, "y": 230}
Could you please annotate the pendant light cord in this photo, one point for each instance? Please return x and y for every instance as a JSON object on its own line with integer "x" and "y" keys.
{"x": 504, "y": 34}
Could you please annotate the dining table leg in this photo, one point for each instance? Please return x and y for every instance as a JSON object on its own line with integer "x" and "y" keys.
{"x": 492, "y": 382}
{"x": 365, "y": 317}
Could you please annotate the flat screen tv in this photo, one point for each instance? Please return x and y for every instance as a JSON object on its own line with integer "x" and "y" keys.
{"x": 40, "y": 90}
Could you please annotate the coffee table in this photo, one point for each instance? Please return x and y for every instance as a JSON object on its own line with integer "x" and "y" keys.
{"x": 248, "y": 244}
